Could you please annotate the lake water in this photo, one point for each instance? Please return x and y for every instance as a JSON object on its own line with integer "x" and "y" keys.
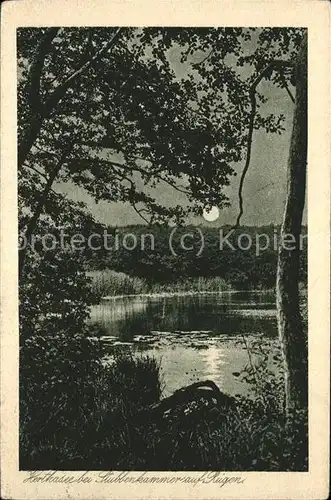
{"x": 195, "y": 337}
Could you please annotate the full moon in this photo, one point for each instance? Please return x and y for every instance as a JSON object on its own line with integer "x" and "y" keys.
{"x": 211, "y": 215}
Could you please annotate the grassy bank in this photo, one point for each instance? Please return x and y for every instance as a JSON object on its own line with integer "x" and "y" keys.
{"x": 110, "y": 283}
{"x": 76, "y": 413}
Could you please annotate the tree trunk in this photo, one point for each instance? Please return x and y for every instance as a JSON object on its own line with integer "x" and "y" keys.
{"x": 290, "y": 328}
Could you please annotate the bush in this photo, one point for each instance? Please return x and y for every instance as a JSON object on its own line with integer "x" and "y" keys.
{"x": 74, "y": 411}
{"x": 282, "y": 437}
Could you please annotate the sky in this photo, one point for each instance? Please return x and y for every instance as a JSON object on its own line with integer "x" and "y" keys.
{"x": 264, "y": 190}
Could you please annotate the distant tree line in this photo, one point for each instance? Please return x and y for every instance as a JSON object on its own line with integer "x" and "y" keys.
{"x": 144, "y": 251}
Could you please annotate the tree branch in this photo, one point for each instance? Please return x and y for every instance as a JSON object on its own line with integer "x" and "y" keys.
{"x": 275, "y": 64}
{"x": 134, "y": 206}
{"x": 131, "y": 201}
{"x": 35, "y": 170}
{"x": 59, "y": 92}
{"x": 37, "y": 108}
{"x": 204, "y": 59}
{"x": 132, "y": 169}
{"x": 45, "y": 110}
{"x": 37, "y": 67}
{"x": 248, "y": 154}
{"x": 45, "y": 151}
{"x": 40, "y": 205}
{"x": 286, "y": 87}
{"x": 178, "y": 188}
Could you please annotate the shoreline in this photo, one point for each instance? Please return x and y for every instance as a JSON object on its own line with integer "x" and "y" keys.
{"x": 179, "y": 294}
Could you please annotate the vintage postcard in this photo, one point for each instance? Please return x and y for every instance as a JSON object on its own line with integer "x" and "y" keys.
{"x": 165, "y": 265}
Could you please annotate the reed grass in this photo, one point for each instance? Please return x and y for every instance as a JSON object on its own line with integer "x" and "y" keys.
{"x": 69, "y": 421}
{"x": 112, "y": 283}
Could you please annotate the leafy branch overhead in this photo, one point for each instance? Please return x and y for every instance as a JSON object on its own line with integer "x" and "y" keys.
{"x": 133, "y": 108}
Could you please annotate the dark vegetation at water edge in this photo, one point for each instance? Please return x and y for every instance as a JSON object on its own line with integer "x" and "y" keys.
{"x": 76, "y": 413}
{"x": 112, "y": 283}
{"x": 221, "y": 263}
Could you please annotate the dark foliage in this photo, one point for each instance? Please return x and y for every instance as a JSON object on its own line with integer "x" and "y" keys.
{"x": 151, "y": 257}
{"x": 76, "y": 413}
